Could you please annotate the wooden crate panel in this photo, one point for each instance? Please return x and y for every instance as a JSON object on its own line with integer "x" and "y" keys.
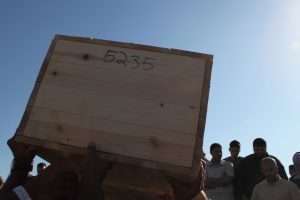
{"x": 118, "y": 108}
{"x": 128, "y": 140}
{"x": 142, "y": 105}
{"x": 164, "y": 64}
{"x": 123, "y": 82}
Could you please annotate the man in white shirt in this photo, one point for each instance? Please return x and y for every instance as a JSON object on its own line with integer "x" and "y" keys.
{"x": 218, "y": 176}
{"x": 274, "y": 187}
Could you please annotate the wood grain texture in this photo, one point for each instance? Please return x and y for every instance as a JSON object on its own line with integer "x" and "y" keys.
{"x": 117, "y": 138}
{"x": 198, "y": 153}
{"x": 133, "y": 46}
{"x": 150, "y": 115}
{"x": 51, "y": 151}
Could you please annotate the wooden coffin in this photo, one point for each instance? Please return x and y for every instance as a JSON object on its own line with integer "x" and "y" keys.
{"x": 143, "y": 106}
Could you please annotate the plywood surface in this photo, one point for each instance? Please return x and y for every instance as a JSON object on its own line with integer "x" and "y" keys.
{"x": 141, "y": 103}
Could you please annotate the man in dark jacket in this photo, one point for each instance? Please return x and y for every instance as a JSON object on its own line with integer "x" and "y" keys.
{"x": 249, "y": 173}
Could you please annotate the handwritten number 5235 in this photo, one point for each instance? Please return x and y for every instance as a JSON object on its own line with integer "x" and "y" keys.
{"x": 120, "y": 57}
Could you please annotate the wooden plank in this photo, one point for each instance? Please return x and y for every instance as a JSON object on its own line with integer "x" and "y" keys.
{"x": 181, "y": 119}
{"x": 166, "y": 65}
{"x": 51, "y": 151}
{"x": 123, "y": 139}
{"x": 122, "y": 83}
{"x": 198, "y": 153}
{"x": 36, "y": 88}
{"x": 134, "y": 46}
{"x": 121, "y": 193}
{"x": 138, "y": 179}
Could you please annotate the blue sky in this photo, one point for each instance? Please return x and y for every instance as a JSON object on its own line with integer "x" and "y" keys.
{"x": 256, "y": 45}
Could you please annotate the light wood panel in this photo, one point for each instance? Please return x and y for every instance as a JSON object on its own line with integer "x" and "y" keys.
{"x": 145, "y": 96}
{"x": 165, "y": 64}
{"x": 124, "y": 83}
{"x": 148, "y": 113}
{"x": 122, "y": 139}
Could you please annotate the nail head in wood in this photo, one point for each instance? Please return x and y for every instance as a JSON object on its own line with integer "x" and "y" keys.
{"x": 59, "y": 128}
{"x": 154, "y": 142}
{"x": 85, "y": 56}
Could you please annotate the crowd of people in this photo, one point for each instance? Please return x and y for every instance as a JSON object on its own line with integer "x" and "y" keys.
{"x": 258, "y": 176}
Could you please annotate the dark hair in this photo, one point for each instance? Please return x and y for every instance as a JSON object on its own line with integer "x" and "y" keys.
{"x": 41, "y": 165}
{"x": 214, "y": 146}
{"x": 234, "y": 143}
{"x": 259, "y": 142}
{"x": 1, "y": 181}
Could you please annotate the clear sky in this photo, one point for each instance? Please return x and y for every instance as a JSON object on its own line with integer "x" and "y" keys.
{"x": 256, "y": 47}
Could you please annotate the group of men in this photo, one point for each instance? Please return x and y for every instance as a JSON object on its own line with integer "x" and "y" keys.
{"x": 258, "y": 176}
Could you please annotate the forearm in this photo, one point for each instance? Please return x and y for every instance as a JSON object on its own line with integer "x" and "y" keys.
{"x": 218, "y": 182}
{"x": 15, "y": 179}
{"x": 210, "y": 184}
{"x": 8, "y": 196}
{"x": 224, "y": 181}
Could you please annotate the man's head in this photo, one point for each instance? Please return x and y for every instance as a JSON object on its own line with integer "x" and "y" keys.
{"x": 40, "y": 167}
{"x": 216, "y": 152}
{"x": 296, "y": 161}
{"x": 292, "y": 170}
{"x": 234, "y": 148}
{"x": 260, "y": 147}
{"x": 270, "y": 169}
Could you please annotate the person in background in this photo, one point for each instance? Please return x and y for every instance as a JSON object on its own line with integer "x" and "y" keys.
{"x": 296, "y": 177}
{"x": 292, "y": 170}
{"x": 234, "y": 158}
{"x": 1, "y": 182}
{"x": 40, "y": 167}
{"x": 274, "y": 187}
{"x": 234, "y": 149}
{"x": 249, "y": 171}
{"x": 218, "y": 176}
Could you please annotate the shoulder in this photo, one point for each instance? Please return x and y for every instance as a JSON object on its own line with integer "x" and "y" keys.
{"x": 290, "y": 184}
{"x": 227, "y": 158}
{"x": 260, "y": 185}
{"x": 249, "y": 157}
{"x": 226, "y": 163}
{"x": 275, "y": 158}
{"x": 246, "y": 160}
{"x": 208, "y": 163}
{"x": 240, "y": 158}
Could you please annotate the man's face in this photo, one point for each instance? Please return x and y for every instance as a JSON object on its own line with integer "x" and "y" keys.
{"x": 297, "y": 167}
{"x": 40, "y": 169}
{"x": 234, "y": 152}
{"x": 260, "y": 151}
{"x": 270, "y": 171}
{"x": 217, "y": 154}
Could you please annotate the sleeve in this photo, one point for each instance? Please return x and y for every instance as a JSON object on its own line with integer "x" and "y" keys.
{"x": 229, "y": 169}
